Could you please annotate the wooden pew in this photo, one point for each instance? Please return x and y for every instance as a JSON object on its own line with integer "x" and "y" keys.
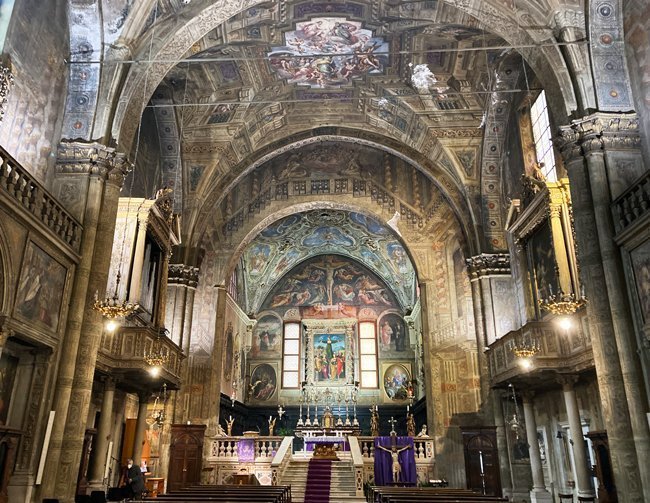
{"x": 228, "y": 494}
{"x": 378, "y": 494}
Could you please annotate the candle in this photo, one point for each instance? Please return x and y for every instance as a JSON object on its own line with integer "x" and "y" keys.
{"x": 269, "y": 419}
{"x": 407, "y": 409}
{"x": 480, "y": 458}
{"x": 229, "y": 418}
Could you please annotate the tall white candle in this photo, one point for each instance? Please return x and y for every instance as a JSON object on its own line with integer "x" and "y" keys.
{"x": 480, "y": 458}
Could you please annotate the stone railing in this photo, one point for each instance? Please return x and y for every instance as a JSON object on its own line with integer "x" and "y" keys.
{"x": 633, "y": 203}
{"x": 281, "y": 460}
{"x": 558, "y": 349}
{"x": 19, "y": 185}
{"x": 225, "y": 448}
{"x": 126, "y": 348}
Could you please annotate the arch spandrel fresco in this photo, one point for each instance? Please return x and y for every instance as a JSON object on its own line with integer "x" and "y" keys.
{"x": 330, "y": 286}
{"x": 296, "y": 238}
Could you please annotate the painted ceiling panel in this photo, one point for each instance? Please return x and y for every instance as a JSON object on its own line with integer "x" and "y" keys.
{"x": 296, "y": 238}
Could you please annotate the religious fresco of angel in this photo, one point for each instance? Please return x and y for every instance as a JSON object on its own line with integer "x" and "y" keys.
{"x": 326, "y": 52}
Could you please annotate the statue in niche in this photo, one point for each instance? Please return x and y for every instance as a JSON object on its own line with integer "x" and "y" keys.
{"x": 374, "y": 422}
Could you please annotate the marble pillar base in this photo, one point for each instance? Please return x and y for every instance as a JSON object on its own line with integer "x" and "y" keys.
{"x": 540, "y": 496}
{"x": 96, "y": 485}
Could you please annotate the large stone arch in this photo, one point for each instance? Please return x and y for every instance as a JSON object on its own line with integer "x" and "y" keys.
{"x": 181, "y": 32}
{"x": 446, "y": 182}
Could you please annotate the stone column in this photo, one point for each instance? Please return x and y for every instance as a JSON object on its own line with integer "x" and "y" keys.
{"x": 502, "y": 445}
{"x": 88, "y": 346}
{"x": 426, "y": 349}
{"x": 140, "y": 427}
{"x": 481, "y": 269}
{"x": 539, "y": 492}
{"x": 590, "y": 147}
{"x": 583, "y": 478}
{"x": 135, "y": 283}
{"x": 86, "y": 167}
{"x": 103, "y": 437}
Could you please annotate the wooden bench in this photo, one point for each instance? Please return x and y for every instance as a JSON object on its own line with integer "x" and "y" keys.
{"x": 383, "y": 494}
{"x": 228, "y": 494}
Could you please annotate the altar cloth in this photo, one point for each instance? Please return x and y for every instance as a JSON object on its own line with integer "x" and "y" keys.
{"x": 311, "y": 441}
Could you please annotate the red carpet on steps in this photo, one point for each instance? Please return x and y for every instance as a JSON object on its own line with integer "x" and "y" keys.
{"x": 319, "y": 476}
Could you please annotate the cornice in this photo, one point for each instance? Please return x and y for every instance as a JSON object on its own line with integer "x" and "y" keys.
{"x": 488, "y": 264}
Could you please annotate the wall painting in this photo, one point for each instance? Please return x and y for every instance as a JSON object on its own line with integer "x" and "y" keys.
{"x": 393, "y": 335}
{"x": 40, "y": 288}
{"x": 264, "y": 382}
{"x": 267, "y": 337}
{"x": 397, "y": 380}
{"x": 329, "y": 358}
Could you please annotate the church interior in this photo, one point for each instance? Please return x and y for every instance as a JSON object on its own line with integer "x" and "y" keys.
{"x": 391, "y": 243}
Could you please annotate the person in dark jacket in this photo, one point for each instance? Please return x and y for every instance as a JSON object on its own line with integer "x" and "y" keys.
{"x": 135, "y": 480}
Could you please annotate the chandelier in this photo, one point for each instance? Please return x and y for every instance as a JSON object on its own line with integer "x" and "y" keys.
{"x": 112, "y": 307}
{"x": 561, "y": 303}
{"x": 526, "y": 349}
{"x": 156, "y": 357}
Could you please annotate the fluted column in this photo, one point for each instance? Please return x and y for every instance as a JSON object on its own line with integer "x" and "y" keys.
{"x": 539, "y": 492}
{"x": 92, "y": 328}
{"x": 140, "y": 427}
{"x": 91, "y": 162}
{"x": 103, "y": 437}
{"x": 583, "y": 478}
{"x": 590, "y": 147}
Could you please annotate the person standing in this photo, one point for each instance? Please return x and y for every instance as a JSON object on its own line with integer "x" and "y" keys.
{"x": 135, "y": 480}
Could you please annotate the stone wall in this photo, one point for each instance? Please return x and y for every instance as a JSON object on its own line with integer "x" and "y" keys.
{"x": 37, "y": 43}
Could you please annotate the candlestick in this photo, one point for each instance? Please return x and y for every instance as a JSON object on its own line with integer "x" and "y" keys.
{"x": 480, "y": 458}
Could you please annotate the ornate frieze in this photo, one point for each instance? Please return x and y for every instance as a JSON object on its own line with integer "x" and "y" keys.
{"x": 77, "y": 157}
{"x": 488, "y": 264}
{"x": 181, "y": 274}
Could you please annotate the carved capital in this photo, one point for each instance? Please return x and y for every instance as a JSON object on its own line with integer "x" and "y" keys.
{"x": 597, "y": 132}
{"x": 568, "y": 19}
{"x": 181, "y": 274}
{"x": 81, "y": 157}
{"x": 567, "y": 381}
{"x": 489, "y": 264}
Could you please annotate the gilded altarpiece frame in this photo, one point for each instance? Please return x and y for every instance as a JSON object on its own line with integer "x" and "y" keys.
{"x": 341, "y": 334}
{"x": 542, "y": 228}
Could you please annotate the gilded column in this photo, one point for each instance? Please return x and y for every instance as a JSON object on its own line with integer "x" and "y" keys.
{"x": 140, "y": 427}
{"x": 579, "y": 446}
{"x": 103, "y": 437}
{"x": 590, "y": 147}
{"x": 84, "y": 168}
{"x": 539, "y": 492}
{"x": 88, "y": 345}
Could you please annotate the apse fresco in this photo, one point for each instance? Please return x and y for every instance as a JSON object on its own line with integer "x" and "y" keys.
{"x": 299, "y": 237}
{"x": 330, "y": 280}
{"x": 328, "y": 51}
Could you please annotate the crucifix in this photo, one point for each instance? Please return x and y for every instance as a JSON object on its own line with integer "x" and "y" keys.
{"x": 392, "y": 426}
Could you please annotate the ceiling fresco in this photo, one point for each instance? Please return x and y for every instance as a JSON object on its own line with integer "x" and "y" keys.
{"x": 296, "y": 238}
{"x": 328, "y": 51}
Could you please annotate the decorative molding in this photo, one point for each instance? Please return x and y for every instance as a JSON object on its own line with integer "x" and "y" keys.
{"x": 80, "y": 157}
{"x": 488, "y": 264}
{"x": 568, "y": 18}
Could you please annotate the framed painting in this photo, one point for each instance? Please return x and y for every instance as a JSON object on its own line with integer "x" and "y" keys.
{"x": 267, "y": 337}
{"x": 41, "y": 287}
{"x": 542, "y": 263}
{"x": 393, "y": 335}
{"x": 329, "y": 358}
{"x": 329, "y": 351}
{"x": 396, "y": 381}
{"x": 264, "y": 382}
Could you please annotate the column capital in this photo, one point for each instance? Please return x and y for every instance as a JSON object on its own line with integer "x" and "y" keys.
{"x": 567, "y": 381}
{"x": 488, "y": 264}
{"x": 599, "y": 131}
{"x": 181, "y": 274}
{"x": 567, "y": 19}
{"x": 81, "y": 157}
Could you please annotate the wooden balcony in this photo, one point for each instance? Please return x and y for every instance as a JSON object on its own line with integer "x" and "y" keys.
{"x": 122, "y": 353}
{"x": 560, "y": 351}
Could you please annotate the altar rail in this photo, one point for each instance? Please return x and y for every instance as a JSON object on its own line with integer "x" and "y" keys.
{"x": 225, "y": 448}
{"x": 422, "y": 447}
{"x": 23, "y": 188}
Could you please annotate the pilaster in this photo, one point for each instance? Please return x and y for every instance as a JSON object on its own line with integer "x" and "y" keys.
{"x": 93, "y": 162}
{"x": 212, "y": 414}
{"x": 591, "y": 147}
